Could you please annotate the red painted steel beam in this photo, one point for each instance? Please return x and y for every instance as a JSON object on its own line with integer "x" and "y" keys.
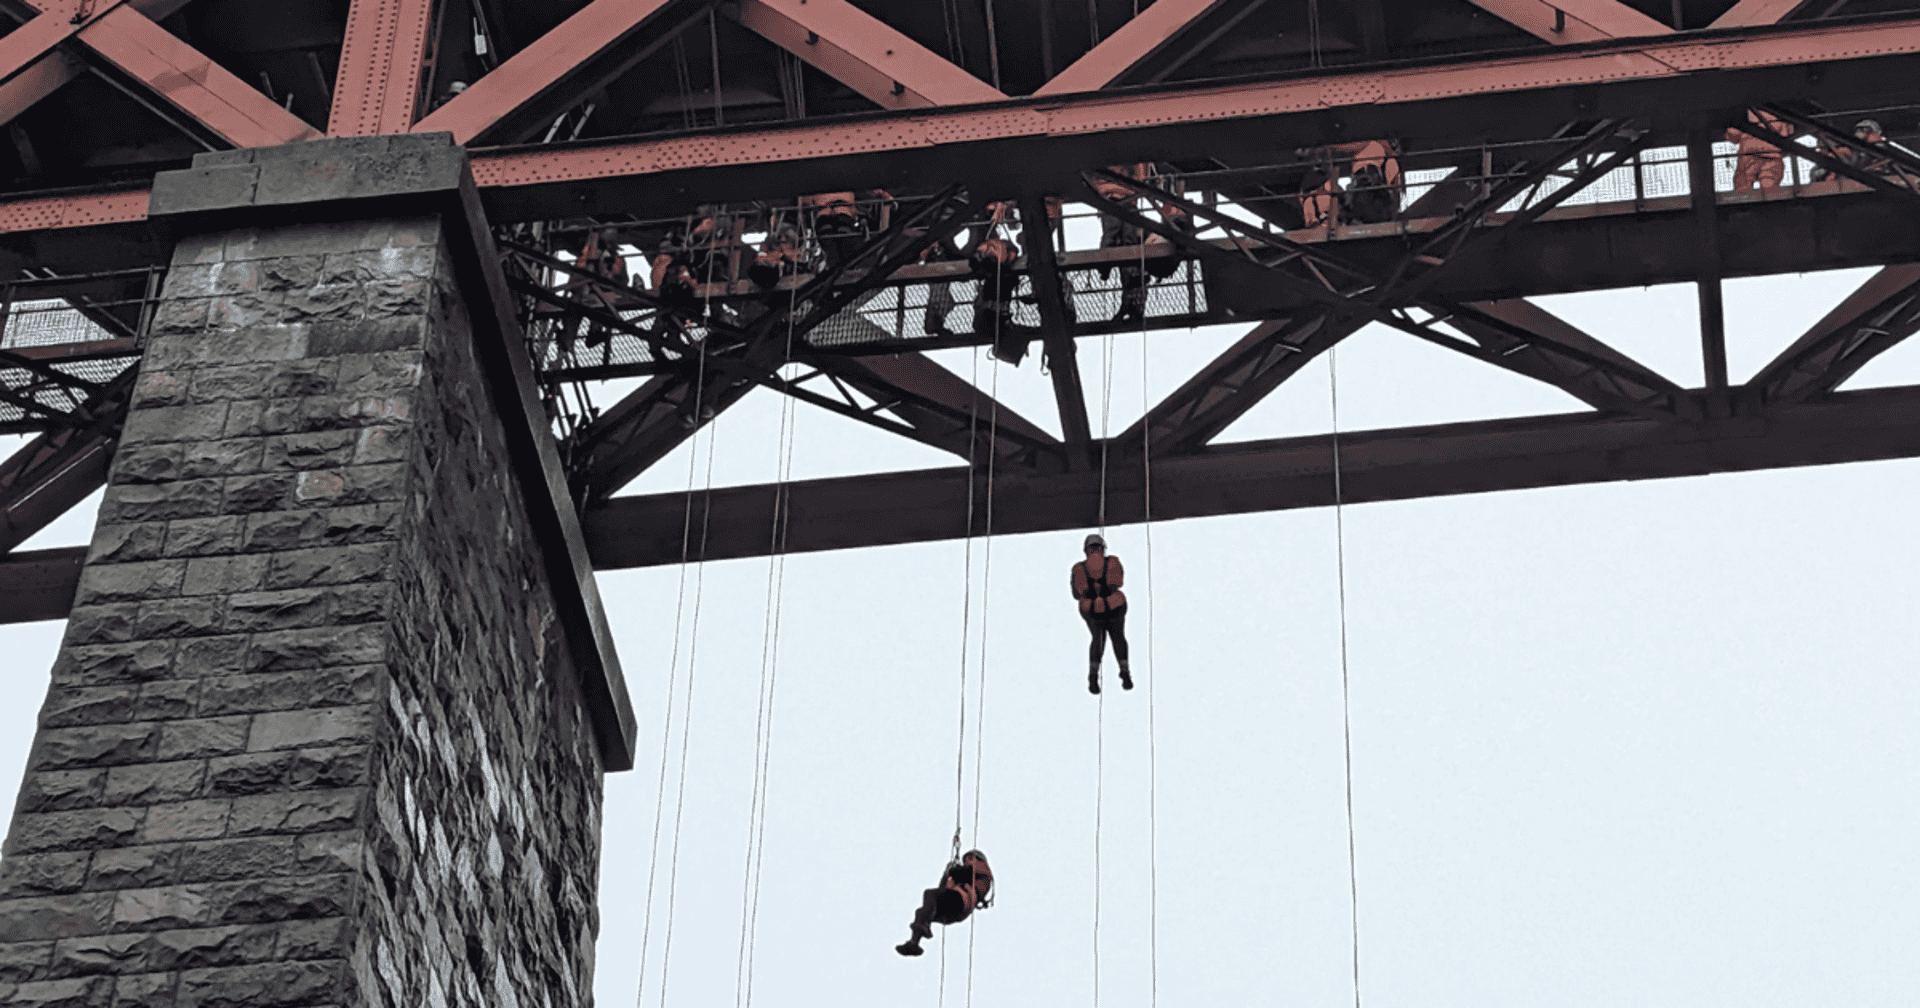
{"x": 1401, "y": 101}
{"x": 32, "y": 63}
{"x": 864, "y": 53}
{"x": 1382, "y": 465}
{"x": 190, "y": 82}
{"x": 1748, "y": 13}
{"x": 1147, "y": 33}
{"x": 377, "y": 90}
{"x": 546, "y": 65}
{"x": 1571, "y": 21}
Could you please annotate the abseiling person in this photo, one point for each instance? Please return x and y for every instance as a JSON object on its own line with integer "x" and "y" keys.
{"x": 1096, "y": 584}
{"x": 966, "y": 886}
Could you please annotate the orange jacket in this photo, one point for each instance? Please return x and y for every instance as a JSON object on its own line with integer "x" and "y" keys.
{"x": 1087, "y": 585}
{"x": 1753, "y": 146}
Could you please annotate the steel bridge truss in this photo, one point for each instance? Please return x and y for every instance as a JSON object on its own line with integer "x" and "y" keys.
{"x": 1585, "y": 164}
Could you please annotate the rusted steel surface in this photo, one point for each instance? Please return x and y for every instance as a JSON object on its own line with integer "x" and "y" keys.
{"x": 1139, "y": 38}
{"x": 1040, "y": 140}
{"x": 539, "y": 68}
{"x": 378, "y": 88}
{"x": 858, "y": 50}
{"x": 1566, "y": 22}
{"x": 212, "y": 96}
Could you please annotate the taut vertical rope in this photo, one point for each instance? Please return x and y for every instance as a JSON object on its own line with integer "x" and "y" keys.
{"x": 1346, "y": 703}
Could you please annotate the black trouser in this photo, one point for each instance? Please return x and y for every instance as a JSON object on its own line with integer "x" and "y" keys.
{"x": 1103, "y": 625}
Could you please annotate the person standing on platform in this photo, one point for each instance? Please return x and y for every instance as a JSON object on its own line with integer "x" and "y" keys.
{"x": 1096, "y": 585}
{"x": 1761, "y": 165}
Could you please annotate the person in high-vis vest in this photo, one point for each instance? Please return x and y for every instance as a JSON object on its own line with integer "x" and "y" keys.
{"x": 1096, "y": 584}
{"x": 966, "y": 886}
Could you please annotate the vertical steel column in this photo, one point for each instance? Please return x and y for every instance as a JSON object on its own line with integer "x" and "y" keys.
{"x": 1706, "y": 214}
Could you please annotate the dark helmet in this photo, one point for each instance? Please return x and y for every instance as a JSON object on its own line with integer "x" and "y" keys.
{"x": 1094, "y": 539}
{"x": 973, "y": 854}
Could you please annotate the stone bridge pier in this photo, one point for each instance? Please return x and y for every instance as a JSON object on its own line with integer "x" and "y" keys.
{"x": 330, "y": 718}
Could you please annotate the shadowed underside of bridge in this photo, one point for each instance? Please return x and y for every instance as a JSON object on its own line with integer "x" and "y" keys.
{"x": 324, "y": 294}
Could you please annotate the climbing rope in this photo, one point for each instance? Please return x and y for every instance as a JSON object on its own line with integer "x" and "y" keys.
{"x": 1346, "y": 704}
{"x": 1153, "y": 756}
{"x": 693, "y": 641}
{"x": 769, "y": 680}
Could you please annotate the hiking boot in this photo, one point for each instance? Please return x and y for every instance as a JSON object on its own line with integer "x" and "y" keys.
{"x": 909, "y": 949}
{"x": 1126, "y": 679}
{"x": 1093, "y": 682}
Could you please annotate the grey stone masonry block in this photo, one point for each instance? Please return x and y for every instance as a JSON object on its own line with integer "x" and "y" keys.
{"x": 161, "y": 501}
{"x": 312, "y": 450}
{"x": 336, "y": 767}
{"x": 373, "y": 445}
{"x": 212, "y": 656}
{"x": 88, "y": 992}
{"x": 35, "y": 833}
{"x": 330, "y": 687}
{"x": 103, "y": 664}
{"x": 43, "y": 874}
{"x": 75, "y": 706}
{"x": 302, "y": 729}
{"x": 365, "y": 373}
{"x": 369, "y": 484}
{"x": 53, "y": 917}
{"x": 269, "y": 985}
{"x": 152, "y": 783}
{"x": 249, "y": 858}
{"x": 335, "y": 565}
{"x": 319, "y": 647}
{"x": 212, "y": 904}
{"x": 95, "y": 746}
{"x": 102, "y": 624}
{"x": 167, "y": 700}
{"x": 205, "y": 819}
{"x": 145, "y": 990}
{"x": 134, "y": 867}
{"x": 202, "y": 737}
{"x": 59, "y": 790}
{"x": 24, "y": 962}
{"x": 325, "y": 938}
{"x": 200, "y": 422}
{"x": 288, "y": 609}
{"x": 321, "y": 527}
{"x": 114, "y": 543}
{"x": 216, "y": 536}
{"x": 221, "y": 575}
{"x": 221, "y": 344}
{"x": 198, "y": 616}
{"x": 161, "y": 388}
{"x": 375, "y": 336}
{"x": 297, "y": 812}
{"x": 130, "y": 582}
{"x": 159, "y": 951}
{"x": 317, "y": 853}
{"x": 253, "y": 773}
{"x": 221, "y": 458}
{"x": 148, "y": 463}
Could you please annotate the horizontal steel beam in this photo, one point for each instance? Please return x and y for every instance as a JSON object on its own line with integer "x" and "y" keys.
{"x": 39, "y": 584}
{"x": 1382, "y": 465}
{"x": 1036, "y": 143}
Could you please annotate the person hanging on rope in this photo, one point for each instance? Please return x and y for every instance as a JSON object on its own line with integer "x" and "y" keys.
{"x": 1096, "y": 584}
{"x": 966, "y": 886}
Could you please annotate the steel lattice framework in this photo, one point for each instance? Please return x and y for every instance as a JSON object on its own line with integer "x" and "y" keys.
{"x": 1547, "y": 147}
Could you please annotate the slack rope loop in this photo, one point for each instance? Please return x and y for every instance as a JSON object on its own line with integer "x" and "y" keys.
{"x": 1346, "y": 704}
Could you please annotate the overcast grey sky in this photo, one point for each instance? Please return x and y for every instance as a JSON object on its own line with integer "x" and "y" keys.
{"x": 1643, "y": 743}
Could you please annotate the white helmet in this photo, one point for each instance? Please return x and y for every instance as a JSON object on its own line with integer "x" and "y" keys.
{"x": 1095, "y": 539}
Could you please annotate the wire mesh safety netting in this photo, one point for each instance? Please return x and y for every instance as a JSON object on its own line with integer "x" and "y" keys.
{"x": 32, "y": 397}
{"x": 934, "y": 314}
